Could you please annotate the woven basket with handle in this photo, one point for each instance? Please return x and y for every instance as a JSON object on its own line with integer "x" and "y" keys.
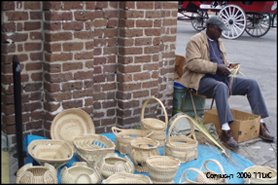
{"x": 127, "y": 178}
{"x": 261, "y": 175}
{"x": 124, "y": 136}
{"x": 155, "y": 125}
{"x": 184, "y": 146}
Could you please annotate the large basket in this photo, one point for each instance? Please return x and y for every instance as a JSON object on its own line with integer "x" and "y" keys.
{"x": 142, "y": 148}
{"x": 80, "y": 173}
{"x": 92, "y": 148}
{"x": 162, "y": 169}
{"x": 127, "y": 178}
{"x": 71, "y": 123}
{"x": 201, "y": 177}
{"x": 54, "y": 152}
{"x": 182, "y": 147}
{"x": 112, "y": 163}
{"x": 29, "y": 174}
{"x": 124, "y": 136}
{"x": 261, "y": 175}
{"x": 153, "y": 124}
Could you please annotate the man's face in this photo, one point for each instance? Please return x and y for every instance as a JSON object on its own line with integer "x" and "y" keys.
{"x": 214, "y": 32}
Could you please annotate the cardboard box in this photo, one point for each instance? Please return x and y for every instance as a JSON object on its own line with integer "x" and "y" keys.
{"x": 246, "y": 126}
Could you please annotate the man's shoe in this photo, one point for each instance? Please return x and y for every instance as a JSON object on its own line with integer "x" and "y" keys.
{"x": 228, "y": 140}
{"x": 264, "y": 133}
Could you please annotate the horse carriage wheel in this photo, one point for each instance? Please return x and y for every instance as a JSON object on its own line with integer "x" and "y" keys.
{"x": 199, "y": 21}
{"x": 258, "y": 24}
{"x": 235, "y": 20}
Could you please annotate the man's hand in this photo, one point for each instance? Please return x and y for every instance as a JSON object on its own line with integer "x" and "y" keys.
{"x": 222, "y": 70}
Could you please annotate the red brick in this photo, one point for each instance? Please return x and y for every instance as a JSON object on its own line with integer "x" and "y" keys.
{"x": 72, "y": 46}
{"x": 7, "y": 5}
{"x": 83, "y": 15}
{"x": 57, "y": 16}
{"x": 84, "y": 55}
{"x": 76, "y": 26}
{"x": 72, "y": 66}
{"x": 51, "y": 37}
{"x": 17, "y": 16}
{"x": 32, "y": 5}
{"x": 58, "y": 57}
{"x": 69, "y": 5}
{"x": 33, "y": 46}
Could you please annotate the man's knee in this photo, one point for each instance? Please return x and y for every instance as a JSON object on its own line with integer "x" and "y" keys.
{"x": 221, "y": 88}
{"x": 253, "y": 83}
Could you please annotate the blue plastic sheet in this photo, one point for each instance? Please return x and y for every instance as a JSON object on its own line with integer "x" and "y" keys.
{"x": 232, "y": 166}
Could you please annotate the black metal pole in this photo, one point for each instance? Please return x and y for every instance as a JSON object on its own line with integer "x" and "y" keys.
{"x": 18, "y": 111}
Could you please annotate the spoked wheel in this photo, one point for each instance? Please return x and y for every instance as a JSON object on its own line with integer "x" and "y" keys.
{"x": 258, "y": 24}
{"x": 199, "y": 21}
{"x": 235, "y": 20}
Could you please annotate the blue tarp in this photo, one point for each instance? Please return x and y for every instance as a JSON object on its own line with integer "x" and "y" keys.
{"x": 234, "y": 165}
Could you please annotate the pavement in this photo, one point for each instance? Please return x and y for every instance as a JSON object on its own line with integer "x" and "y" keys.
{"x": 258, "y": 59}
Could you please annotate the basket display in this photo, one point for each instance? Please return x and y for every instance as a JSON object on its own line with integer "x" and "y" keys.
{"x": 153, "y": 124}
{"x": 182, "y": 147}
{"x": 29, "y": 174}
{"x": 80, "y": 173}
{"x": 124, "y": 136}
{"x": 71, "y": 123}
{"x": 267, "y": 175}
{"x": 54, "y": 152}
{"x": 142, "y": 148}
{"x": 112, "y": 163}
{"x": 201, "y": 177}
{"x": 162, "y": 169}
{"x": 92, "y": 148}
{"x": 127, "y": 178}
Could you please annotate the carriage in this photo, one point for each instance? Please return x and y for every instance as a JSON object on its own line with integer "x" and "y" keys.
{"x": 254, "y": 17}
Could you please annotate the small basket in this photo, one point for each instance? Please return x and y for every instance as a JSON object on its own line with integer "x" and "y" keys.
{"x": 29, "y": 174}
{"x": 92, "y": 148}
{"x": 54, "y": 152}
{"x": 127, "y": 178}
{"x": 112, "y": 163}
{"x": 80, "y": 173}
{"x": 182, "y": 147}
{"x": 124, "y": 136}
{"x": 162, "y": 169}
{"x": 267, "y": 175}
{"x": 140, "y": 149}
{"x": 201, "y": 177}
{"x": 155, "y": 125}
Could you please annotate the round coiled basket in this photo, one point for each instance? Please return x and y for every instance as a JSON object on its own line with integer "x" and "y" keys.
{"x": 127, "y": 178}
{"x": 261, "y": 175}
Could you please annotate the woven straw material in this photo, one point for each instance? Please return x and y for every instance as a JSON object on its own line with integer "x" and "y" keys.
{"x": 93, "y": 148}
{"x": 234, "y": 68}
{"x": 71, "y": 123}
{"x": 80, "y": 173}
{"x": 265, "y": 171}
{"x": 124, "y": 136}
{"x": 112, "y": 163}
{"x": 182, "y": 147}
{"x": 54, "y": 152}
{"x": 29, "y": 174}
{"x": 127, "y": 178}
{"x": 162, "y": 169}
{"x": 142, "y": 148}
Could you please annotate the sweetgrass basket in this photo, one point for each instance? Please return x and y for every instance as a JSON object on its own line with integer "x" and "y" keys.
{"x": 112, "y": 163}
{"x": 182, "y": 146}
{"x": 124, "y": 136}
{"x": 127, "y": 178}
{"x": 80, "y": 173}
{"x": 162, "y": 169}
{"x": 54, "y": 152}
{"x": 92, "y": 148}
{"x": 261, "y": 175}
{"x": 29, "y": 174}
{"x": 155, "y": 125}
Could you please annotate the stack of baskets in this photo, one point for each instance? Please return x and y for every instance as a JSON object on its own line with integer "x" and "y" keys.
{"x": 155, "y": 125}
{"x": 127, "y": 178}
{"x": 261, "y": 175}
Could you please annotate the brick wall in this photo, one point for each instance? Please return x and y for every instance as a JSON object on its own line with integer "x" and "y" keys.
{"x": 106, "y": 57}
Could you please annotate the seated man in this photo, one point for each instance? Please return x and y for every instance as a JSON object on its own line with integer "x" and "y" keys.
{"x": 206, "y": 71}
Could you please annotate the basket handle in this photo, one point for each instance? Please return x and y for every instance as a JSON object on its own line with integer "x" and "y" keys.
{"x": 173, "y": 124}
{"x": 216, "y": 162}
{"x": 116, "y": 130}
{"x": 149, "y": 134}
{"x": 163, "y": 107}
{"x": 184, "y": 178}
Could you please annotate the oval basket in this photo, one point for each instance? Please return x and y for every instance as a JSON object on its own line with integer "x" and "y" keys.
{"x": 29, "y": 174}
{"x": 182, "y": 147}
{"x": 92, "y": 148}
{"x": 54, "y": 152}
{"x": 263, "y": 170}
{"x": 80, "y": 173}
{"x": 71, "y": 123}
{"x": 112, "y": 163}
{"x": 140, "y": 149}
{"x": 162, "y": 169}
{"x": 124, "y": 136}
{"x": 153, "y": 124}
{"x": 127, "y": 178}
